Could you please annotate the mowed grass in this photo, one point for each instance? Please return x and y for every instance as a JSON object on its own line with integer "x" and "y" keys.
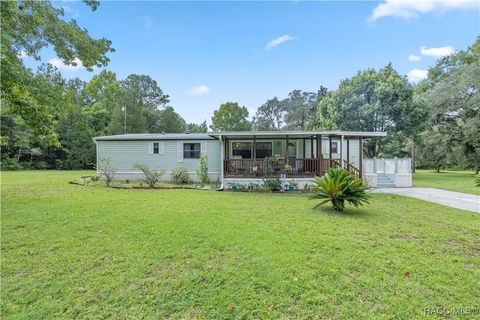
{"x": 459, "y": 181}
{"x": 92, "y": 252}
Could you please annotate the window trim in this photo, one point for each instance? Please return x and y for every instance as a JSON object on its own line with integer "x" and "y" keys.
{"x": 199, "y": 150}
{"x": 161, "y": 148}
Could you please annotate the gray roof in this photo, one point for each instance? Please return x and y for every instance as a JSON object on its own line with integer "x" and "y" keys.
{"x": 156, "y": 136}
{"x": 297, "y": 134}
{"x": 238, "y": 134}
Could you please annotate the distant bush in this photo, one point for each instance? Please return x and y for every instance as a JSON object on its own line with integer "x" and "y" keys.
{"x": 152, "y": 177}
{"x": 180, "y": 176}
{"x": 339, "y": 186}
{"x": 272, "y": 183}
{"x": 202, "y": 170}
{"x": 11, "y": 164}
{"x": 40, "y": 165}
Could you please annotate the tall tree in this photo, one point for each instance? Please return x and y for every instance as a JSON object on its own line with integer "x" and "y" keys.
{"x": 77, "y": 150}
{"x": 197, "y": 128}
{"x": 104, "y": 95}
{"x": 168, "y": 121}
{"x": 370, "y": 101}
{"x": 269, "y": 116}
{"x": 455, "y": 105}
{"x": 142, "y": 96}
{"x": 300, "y": 107}
{"x": 231, "y": 117}
{"x": 27, "y": 27}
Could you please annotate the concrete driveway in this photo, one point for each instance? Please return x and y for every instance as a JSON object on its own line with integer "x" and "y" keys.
{"x": 452, "y": 199}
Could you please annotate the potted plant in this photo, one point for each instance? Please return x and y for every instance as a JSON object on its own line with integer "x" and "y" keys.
{"x": 292, "y": 186}
{"x": 287, "y": 167}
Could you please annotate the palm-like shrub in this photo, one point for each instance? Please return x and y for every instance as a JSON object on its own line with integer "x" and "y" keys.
{"x": 477, "y": 182}
{"x": 339, "y": 186}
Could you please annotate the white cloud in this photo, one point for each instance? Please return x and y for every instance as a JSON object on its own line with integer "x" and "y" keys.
{"x": 199, "y": 90}
{"x": 416, "y": 75}
{"x": 278, "y": 41}
{"x": 437, "y": 52}
{"x": 60, "y": 65}
{"x": 414, "y": 58}
{"x": 408, "y": 9}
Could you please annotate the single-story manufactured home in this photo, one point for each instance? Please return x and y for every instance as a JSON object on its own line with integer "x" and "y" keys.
{"x": 237, "y": 157}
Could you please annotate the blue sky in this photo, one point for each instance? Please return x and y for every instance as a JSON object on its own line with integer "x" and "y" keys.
{"x": 205, "y": 53}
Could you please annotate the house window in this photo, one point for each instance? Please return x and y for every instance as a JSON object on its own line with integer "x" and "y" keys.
{"x": 263, "y": 150}
{"x": 242, "y": 149}
{"x": 156, "y": 148}
{"x": 335, "y": 147}
{"x": 191, "y": 150}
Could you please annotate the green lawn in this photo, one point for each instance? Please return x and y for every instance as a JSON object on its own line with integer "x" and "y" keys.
{"x": 460, "y": 181}
{"x": 91, "y": 252}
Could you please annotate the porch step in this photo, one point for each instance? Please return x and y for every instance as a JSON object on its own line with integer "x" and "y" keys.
{"x": 389, "y": 185}
{"x": 384, "y": 181}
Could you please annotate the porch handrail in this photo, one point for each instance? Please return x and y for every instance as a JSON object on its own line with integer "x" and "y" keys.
{"x": 352, "y": 169}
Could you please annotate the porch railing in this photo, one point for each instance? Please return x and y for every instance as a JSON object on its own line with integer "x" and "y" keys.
{"x": 297, "y": 167}
{"x": 352, "y": 169}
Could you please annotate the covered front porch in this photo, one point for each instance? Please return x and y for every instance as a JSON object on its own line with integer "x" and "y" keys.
{"x": 298, "y": 154}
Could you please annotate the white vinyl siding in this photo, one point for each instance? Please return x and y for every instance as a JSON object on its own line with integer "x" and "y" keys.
{"x": 125, "y": 154}
{"x": 179, "y": 151}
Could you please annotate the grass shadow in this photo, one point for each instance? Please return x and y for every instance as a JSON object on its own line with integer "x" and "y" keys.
{"x": 348, "y": 212}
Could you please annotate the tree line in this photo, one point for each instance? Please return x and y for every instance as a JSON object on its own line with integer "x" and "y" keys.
{"x": 48, "y": 121}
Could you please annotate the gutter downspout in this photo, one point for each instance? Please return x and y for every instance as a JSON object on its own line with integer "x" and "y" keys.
{"x": 222, "y": 153}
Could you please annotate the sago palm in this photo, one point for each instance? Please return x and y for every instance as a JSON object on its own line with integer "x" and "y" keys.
{"x": 339, "y": 186}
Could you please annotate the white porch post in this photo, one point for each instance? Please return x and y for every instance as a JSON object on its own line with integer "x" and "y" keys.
{"x": 341, "y": 151}
{"x": 222, "y": 154}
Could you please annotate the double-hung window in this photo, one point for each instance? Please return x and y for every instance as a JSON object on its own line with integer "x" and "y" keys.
{"x": 191, "y": 150}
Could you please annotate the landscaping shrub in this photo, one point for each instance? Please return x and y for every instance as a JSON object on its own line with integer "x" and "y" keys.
{"x": 339, "y": 186}
{"x": 272, "y": 183}
{"x": 477, "y": 182}
{"x": 152, "y": 177}
{"x": 202, "y": 170}
{"x": 180, "y": 176}
{"x": 107, "y": 170}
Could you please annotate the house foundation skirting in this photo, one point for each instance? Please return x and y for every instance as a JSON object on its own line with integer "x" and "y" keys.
{"x": 228, "y": 182}
{"x": 138, "y": 176}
